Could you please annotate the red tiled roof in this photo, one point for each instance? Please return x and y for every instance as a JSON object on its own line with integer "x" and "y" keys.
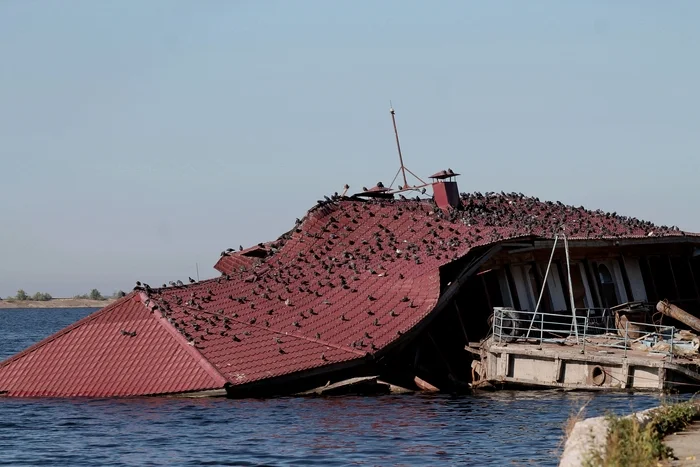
{"x": 352, "y": 278}
{"x": 94, "y": 358}
{"x": 233, "y": 262}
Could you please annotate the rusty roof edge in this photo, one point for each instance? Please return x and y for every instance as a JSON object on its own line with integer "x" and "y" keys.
{"x": 66, "y": 330}
{"x": 180, "y": 339}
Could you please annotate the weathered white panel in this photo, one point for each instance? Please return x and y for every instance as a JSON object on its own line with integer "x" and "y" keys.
{"x": 588, "y": 302}
{"x": 619, "y": 283}
{"x": 538, "y": 371}
{"x": 575, "y": 373}
{"x": 521, "y": 286}
{"x": 505, "y": 289}
{"x": 634, "y": 273}
{"x": 643, "y": 377}
{"x": 556, "y": 289}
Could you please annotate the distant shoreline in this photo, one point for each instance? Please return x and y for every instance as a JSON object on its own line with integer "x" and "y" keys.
{"x": 56, "y": 303}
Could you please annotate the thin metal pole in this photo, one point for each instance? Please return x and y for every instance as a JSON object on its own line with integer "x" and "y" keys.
{"x": 544, "y": 284}
{"x": 398, "y": 145}
{"x": 196, "y": 265}
{"x": 673, "y": 333}
{"x": 541, "y": 327}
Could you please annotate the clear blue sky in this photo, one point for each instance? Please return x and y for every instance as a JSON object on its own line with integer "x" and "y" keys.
{"x": 139, "y": 138}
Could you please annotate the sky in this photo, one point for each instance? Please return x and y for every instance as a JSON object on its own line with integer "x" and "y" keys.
{"x": 139, "y": 139}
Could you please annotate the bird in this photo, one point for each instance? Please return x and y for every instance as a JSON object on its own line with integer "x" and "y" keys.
{"x": 240, "y": 247}
{"x": 192, "y": 281}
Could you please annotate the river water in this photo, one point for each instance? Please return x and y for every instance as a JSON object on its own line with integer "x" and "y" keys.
{"x": 502, "y": 428}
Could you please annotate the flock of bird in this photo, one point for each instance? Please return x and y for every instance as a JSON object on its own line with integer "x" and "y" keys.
{"x": 353, "y": 276}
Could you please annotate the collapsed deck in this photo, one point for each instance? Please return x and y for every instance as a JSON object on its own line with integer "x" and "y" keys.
{"x": 599, "y": 356}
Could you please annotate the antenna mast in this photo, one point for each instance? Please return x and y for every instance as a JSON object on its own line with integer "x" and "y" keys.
{"x": 398, "y": 145}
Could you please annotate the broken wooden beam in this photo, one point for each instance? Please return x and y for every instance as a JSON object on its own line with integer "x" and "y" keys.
{"x": 360, "y": 385}
{"x": 424, "y": 385}
{"x": 679, "y": 314}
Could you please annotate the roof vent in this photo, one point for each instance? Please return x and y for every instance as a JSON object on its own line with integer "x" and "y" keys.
{"x": 445, "y": 189}
{"x": 379, "y": 191}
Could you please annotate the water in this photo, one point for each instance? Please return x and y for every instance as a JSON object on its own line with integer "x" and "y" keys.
{"x": 503, "y": 428}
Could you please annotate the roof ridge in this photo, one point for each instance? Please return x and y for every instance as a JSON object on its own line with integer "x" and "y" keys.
{"x": 66, "y": 330}
{"x": 201, "y": 360}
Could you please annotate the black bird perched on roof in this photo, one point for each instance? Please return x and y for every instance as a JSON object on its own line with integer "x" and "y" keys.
{"x": 327, "y": 198}
{"x": 364, "y": 188}
{"x": 380, "y": 185}
{"x": 240, "y": 247}
{"x": 138, "y": 283}
{"x": 172, "y": 284}
{"x": 192, "y": 281}
{"x": 179, "y": 283}
{"x": 229, "y": 250}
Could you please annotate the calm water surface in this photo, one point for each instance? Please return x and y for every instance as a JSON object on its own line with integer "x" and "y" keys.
{"x": 503, "y": 428}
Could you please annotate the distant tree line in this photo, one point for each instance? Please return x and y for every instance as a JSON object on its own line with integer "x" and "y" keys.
{"x": 96, "y": 295}
{"x": 45, "y": 297}
{"x": 39, "y": 296}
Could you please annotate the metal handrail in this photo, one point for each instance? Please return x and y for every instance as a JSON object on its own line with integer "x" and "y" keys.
{"x": 512, "y": 325}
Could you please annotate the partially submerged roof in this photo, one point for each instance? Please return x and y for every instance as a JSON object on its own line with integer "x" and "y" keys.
{"x": 345, "y": 285}
{"x": 121, "y": 350}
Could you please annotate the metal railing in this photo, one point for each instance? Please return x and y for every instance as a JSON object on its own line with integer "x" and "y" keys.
{"x": 596, "y": 326}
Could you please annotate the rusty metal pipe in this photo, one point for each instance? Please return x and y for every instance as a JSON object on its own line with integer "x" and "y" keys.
{"x": 676, "y": 313}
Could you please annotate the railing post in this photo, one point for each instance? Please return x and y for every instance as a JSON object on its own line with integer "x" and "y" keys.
{"x": 588, "y": 318}
{"x": 626, "y": 337}
{"x": 495, "y": 317}
{"x": 541, "y": 327}
{"x": 673, "y": 333}
{"x": 585, "y": 328}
